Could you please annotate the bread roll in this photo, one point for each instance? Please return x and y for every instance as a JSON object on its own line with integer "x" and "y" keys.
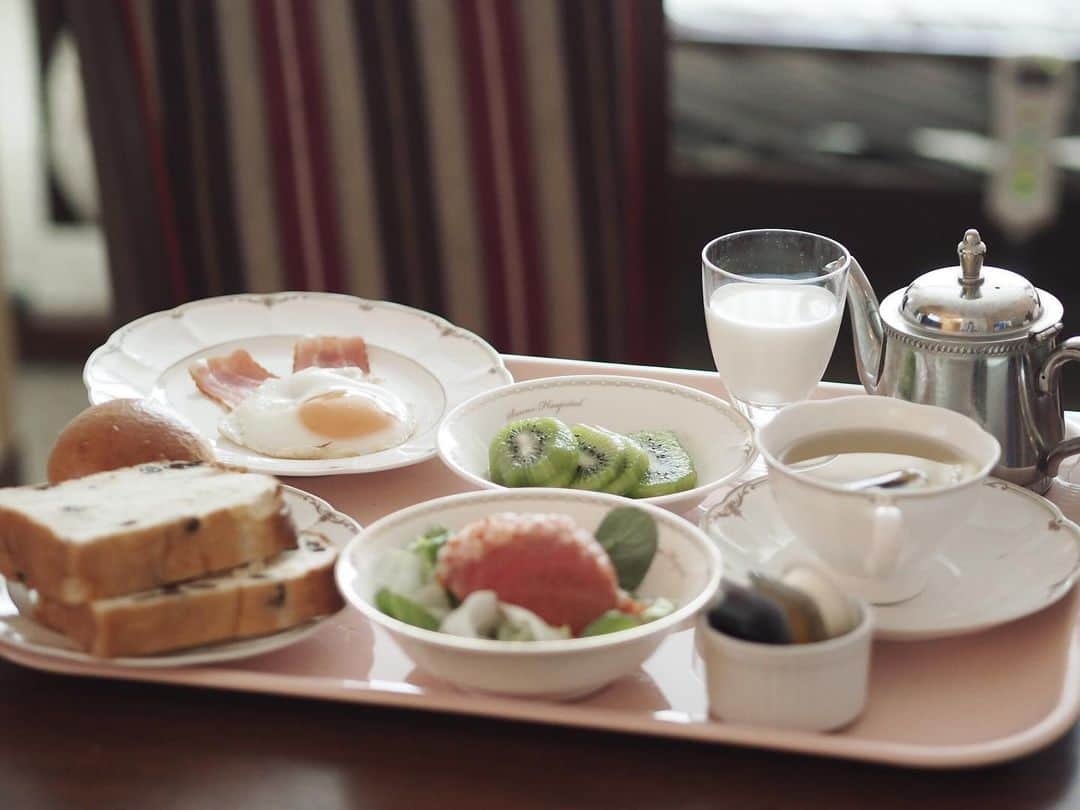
{"x": 123, "y": 433}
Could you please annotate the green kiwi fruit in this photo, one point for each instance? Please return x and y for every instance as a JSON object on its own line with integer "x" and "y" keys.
{"x": 635, "y": 464}
{"x": 670, "y": 467}
{"x": 539, "y": 452}
{"x": 601, "y": 457}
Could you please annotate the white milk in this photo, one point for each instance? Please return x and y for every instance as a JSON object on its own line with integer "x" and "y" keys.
{"x": 771, "y": 342}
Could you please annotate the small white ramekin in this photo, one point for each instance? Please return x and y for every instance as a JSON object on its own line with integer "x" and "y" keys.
{"x": 809, "y": 687}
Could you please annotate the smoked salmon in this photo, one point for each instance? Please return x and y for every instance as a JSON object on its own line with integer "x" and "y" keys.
{"x": 544, "y": 563}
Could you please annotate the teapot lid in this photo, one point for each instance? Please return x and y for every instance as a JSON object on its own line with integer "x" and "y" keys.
{"x": 971, "y": 300}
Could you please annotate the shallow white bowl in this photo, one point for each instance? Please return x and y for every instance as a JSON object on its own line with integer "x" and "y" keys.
{"x": 686, "y": 570}
{"x": 719, "y": 439}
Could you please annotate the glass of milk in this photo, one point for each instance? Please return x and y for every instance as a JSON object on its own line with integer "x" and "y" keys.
{"x": 773, "y": 303}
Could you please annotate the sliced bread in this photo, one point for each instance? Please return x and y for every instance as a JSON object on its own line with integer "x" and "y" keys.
{"x": 137, "y": 528}
{"x": 254, "y": 600}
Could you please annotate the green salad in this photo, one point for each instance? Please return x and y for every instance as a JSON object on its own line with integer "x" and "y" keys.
{"x": 524, "y": 577}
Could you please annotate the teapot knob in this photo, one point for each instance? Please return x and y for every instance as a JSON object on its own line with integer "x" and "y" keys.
{"x": 972, "y": 249}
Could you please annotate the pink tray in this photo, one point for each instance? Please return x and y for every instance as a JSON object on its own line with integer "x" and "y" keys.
{"x": 950, "y": 703}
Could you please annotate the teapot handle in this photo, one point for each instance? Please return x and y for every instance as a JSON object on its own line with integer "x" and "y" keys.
{"x": 1047, "y": 384}
{"x": 868, "y": 332}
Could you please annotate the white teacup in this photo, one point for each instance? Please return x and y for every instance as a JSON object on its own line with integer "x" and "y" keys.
{"x": 877, "y": 543}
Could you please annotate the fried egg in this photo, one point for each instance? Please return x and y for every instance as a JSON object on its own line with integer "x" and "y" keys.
{"x": 319, "y": 413}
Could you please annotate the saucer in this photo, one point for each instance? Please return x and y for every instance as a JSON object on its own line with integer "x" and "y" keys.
{"x": 1015, "y": 555}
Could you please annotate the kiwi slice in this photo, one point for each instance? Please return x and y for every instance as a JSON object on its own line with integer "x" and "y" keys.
{"x": 601, "y": 456}
{"x": 635, "y": 464}
{"x": 539, "y": 452}
{"x": 670, "y": 466}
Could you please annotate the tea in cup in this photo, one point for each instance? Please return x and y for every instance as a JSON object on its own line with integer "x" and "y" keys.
{"x": 877, "y": 542}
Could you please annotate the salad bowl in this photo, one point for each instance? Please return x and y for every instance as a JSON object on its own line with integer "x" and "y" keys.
{"x": 718, "y": 439}
{"x": 686, "y": 570}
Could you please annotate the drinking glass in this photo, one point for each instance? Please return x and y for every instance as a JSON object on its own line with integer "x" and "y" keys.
{"x": 773, "y": 304}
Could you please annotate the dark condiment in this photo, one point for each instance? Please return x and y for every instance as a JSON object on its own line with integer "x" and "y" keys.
{"x": 744, "y": 614}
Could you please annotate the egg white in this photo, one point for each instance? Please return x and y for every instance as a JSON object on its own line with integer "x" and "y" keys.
{"x": 268, "y": 421}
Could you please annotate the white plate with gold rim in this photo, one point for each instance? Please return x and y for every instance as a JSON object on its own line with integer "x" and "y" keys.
{"x": 312, "y": 516}
{"x": 427, "y": 361}
{"x": 1015, "y": 555}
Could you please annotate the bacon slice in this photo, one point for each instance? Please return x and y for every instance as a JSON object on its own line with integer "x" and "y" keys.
{"x": 228, "y": 379}
{"x": 331, "y": 352}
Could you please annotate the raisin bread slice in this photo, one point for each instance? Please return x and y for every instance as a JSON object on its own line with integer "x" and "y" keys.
{"x": 253, "y": 600}
{"x": 136, "y": 528}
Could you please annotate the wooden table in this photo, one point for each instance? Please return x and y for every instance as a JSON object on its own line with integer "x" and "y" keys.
{"x": 108, "y": 744}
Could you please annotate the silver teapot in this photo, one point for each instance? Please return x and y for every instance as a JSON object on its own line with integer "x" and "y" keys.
{"x": 975, "y": 339}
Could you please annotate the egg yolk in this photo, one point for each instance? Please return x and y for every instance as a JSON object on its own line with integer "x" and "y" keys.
{"x": 338, "y": 415}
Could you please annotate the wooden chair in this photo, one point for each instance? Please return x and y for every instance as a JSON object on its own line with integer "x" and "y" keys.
{"x": 500, "y": 162}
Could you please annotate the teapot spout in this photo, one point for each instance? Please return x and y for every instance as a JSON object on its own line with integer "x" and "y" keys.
{"x": 866, "y": 327}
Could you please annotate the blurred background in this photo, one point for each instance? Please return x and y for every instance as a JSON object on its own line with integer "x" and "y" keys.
{"x": 566, "y": 158}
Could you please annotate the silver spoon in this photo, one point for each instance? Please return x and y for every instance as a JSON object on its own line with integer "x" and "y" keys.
{"x": 889, "y": 480}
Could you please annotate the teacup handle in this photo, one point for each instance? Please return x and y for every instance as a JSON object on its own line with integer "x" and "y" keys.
{"x": 885, "y": 548}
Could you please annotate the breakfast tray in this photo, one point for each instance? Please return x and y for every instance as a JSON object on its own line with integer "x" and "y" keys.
{"x": 950, "y": 703}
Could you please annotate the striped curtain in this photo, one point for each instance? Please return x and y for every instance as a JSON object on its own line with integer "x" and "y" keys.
{"x": 499, "y": 162}
{"x": 7, "y": 379}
